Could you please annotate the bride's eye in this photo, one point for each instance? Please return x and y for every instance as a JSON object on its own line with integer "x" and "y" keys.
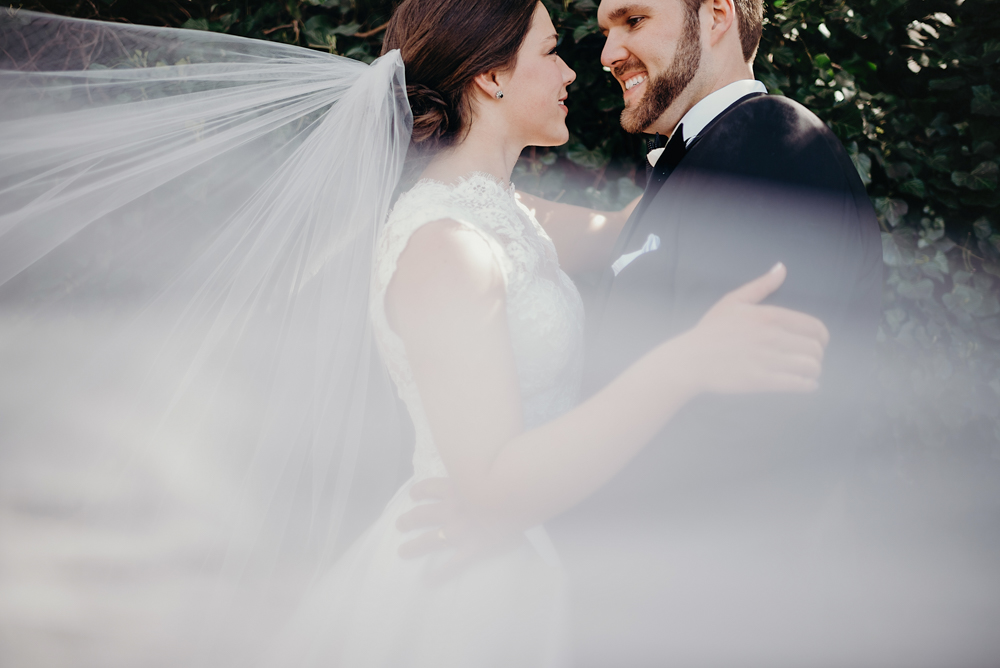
{"x": 555, "y": 49}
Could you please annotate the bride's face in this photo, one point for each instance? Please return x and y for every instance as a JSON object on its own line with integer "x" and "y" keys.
{"x": 535, "y": 90}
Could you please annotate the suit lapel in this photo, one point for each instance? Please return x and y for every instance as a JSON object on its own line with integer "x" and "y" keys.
{"x": 672, "y": 154}
{"x": 661, "y": 172}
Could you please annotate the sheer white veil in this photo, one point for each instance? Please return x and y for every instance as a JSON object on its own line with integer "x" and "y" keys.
{"x": 187, "y": 228}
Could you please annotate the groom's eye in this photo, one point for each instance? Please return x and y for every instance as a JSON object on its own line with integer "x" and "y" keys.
{"x": 633, "y": 21}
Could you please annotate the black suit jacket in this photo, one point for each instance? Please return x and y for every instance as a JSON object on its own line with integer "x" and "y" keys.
{"x": 766, "y": 181}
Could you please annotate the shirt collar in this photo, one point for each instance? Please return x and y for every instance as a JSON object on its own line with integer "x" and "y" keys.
{"x": 710, "y": 106}
{"x": 713, "y": 104}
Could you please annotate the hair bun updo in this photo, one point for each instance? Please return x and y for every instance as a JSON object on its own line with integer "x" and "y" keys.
{"x": 430, "y": 113}
{"x": 445, "y": 45}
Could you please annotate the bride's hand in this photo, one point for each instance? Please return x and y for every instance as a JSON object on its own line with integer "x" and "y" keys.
{"x": 741, "y": 345}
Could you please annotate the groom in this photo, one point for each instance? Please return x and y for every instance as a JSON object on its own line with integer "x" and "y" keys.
{"x": 745, "y": 180}
{"x": 737, "y": 493}
{"x": 740, "y": 500}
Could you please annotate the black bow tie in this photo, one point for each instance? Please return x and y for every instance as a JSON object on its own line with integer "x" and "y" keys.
{"x": 673, "y": 152}
{"x": 658, "y": 141}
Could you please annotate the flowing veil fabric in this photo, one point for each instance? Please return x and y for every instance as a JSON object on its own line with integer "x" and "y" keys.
{"x": 187, "y": 224}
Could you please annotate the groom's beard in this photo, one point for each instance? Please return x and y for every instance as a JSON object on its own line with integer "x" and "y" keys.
{"x": 662, "y": 90}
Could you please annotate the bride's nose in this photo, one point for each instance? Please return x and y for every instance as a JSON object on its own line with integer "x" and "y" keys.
{"x": 569, "y": 75}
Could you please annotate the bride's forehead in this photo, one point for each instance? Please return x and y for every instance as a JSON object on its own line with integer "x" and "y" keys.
{"x": 541, "y": 27}
{"x": 540, "y": 20}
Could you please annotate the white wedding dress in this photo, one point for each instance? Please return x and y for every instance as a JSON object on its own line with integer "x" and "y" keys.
{"x": 376, "y": 609}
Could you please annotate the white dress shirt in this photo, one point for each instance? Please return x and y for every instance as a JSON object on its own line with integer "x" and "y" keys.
{"x": 710, "y": 106}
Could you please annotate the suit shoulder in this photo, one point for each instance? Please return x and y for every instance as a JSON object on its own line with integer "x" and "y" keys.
{"x": 790, "y": 123}
{"x": 775, "y": 138}
{"x": 779, "y": 111}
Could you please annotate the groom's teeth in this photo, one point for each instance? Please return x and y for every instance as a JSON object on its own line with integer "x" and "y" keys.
{"x": 635, "y": 81}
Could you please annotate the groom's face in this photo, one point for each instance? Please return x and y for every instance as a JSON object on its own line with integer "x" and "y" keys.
{"x": 653, "y": 49}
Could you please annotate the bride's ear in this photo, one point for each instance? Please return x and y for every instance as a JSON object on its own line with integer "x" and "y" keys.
{"x": 488, "y": 83}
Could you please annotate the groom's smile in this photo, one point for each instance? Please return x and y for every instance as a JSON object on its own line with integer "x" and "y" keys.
{"x": 632, "y": 77}
{"x": 633, "y": 81}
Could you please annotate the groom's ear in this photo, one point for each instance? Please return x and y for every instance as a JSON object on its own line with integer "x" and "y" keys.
{"x": 723, "y": 19}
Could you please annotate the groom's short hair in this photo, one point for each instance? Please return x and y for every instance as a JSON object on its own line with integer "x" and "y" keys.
{"x": 749, "y": 22}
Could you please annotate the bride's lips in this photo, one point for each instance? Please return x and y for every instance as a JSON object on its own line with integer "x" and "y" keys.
{"x": 562, "y": 103}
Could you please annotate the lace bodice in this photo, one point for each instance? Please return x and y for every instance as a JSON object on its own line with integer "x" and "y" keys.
{"x": 544, "y": 311}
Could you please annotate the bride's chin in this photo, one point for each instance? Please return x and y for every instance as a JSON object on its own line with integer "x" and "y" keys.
{"x": 556, "y": 138}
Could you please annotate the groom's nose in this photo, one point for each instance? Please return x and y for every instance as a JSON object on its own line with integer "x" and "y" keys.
{"x": 614, "y": 50}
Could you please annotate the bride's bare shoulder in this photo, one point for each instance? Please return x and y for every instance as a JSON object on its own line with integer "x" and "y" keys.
{"x": 447, "y": 270}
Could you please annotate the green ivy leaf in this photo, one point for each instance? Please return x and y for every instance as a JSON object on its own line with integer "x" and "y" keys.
{"x": 984, "y": 148}
{"x": 195, "y": 24}
{"x": 921, "y": 290}
{"x": 982, "y": 228}
{"x": 862, "y": 163}
{"x": 898, "y": 170}
{"x": 983, "y": 102}
{"x": 983, "y": 177}
{"x": 950, "y": 83}
{"x": 588, "y": 27}
{"x": 590, "y": 159}
{"x": 891, "y": 210}
{"x": 991, "y": 51}
{"x": 939, "y": 162}
{"x": 348, "y": 29}
{"x": 936, "y": 267}
{"x": 962, "y": 300}
{"x": 914, "y": 187}
{"x": 318, "y": 28}
{"x": 893, "y": 254}
{"x": 775, "y": 83}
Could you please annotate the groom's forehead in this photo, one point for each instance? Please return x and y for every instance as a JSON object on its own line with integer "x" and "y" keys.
{"x": 611, "y": 12}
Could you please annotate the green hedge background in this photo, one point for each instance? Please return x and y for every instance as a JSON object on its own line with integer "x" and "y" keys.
{"x": 909, "y": 87}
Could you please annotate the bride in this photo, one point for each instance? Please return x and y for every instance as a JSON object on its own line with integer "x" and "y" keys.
{"x": 482, "y": 334}
{"x": 480, "y": 329}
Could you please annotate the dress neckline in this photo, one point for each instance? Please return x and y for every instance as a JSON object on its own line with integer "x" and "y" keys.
{"x": 471, "y": 180}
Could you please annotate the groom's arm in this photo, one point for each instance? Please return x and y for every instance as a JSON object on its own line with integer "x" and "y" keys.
{"x": 784, "y": 192}
{"x": 584, "y": 238}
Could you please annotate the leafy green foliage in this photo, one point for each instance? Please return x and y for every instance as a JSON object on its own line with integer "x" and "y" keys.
{"x": 909, "y": 87}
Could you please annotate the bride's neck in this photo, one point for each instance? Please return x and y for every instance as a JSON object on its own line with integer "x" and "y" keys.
{"x": 482, "y": 150}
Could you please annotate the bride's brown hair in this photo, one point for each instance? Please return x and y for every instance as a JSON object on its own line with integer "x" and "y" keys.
{"x": 445, "y": 44}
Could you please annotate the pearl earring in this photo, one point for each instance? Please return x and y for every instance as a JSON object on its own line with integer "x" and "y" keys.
{"x": 499, "y": 95}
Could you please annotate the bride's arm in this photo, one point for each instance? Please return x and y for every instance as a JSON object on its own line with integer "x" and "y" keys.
{"x": 447, "y": 303}
{"x": 584, "y": 238}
